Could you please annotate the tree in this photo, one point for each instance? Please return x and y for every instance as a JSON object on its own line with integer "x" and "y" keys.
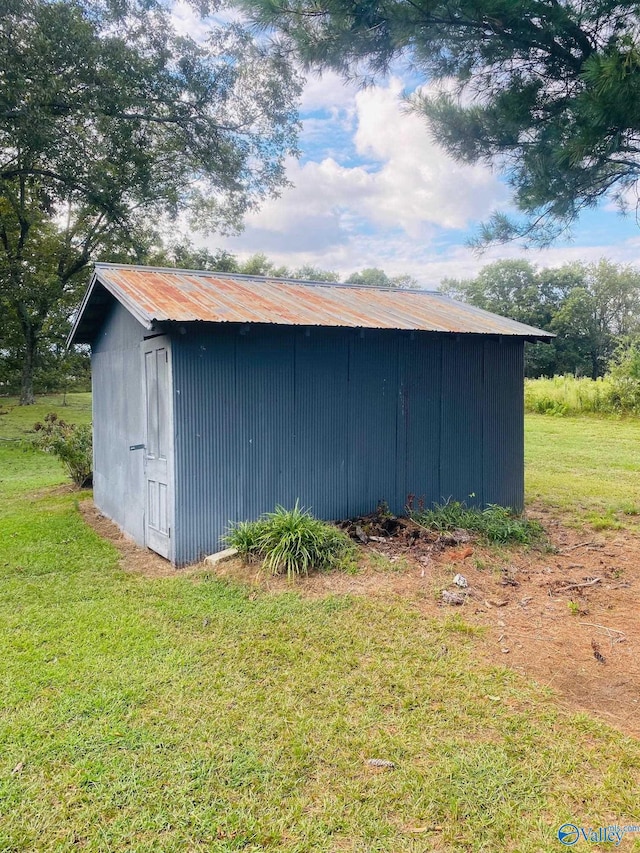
{"x": 623, "y": 372}
{"x": 591, "y": 307}
{"x": 514, "y": 289}
{"x": 183, "y": 254}
{"x": 505, "y": 287}
{"x": 548, "y": 90}
{"x": 600, "y": 313}
{"x": 109, "y": 123}
{"x": 260, "y": 265}
{"x": 374, "y": 277}
{"x": 308, "y": 272}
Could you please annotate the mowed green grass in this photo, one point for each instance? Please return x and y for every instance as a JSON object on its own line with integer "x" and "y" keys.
{"x": 19, "y": 470}
{"x": 189, "y": 714}
{"x": 588, "y": 466}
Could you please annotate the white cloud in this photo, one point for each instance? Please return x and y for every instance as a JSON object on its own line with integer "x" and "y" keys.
{"x": 327, "y": 91}
{"x": 403, "y": 182}
{"x": 324, "y": 189}
{"x": 328, "y": 247}
{"x": 188, "y": 22}
{"x": 463, "y": 262}
{"x": 376, "y": 190}
{"x": 418, "y": 182}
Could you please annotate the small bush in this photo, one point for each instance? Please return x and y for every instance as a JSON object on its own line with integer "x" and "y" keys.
{"x": 71, "y": 443}
{"x": 291, "y": 542}
{"x": 569, "y": 395}
{"x": 494, "y": 523}
{"x": 624, "y": 376}
{"x": 547, "y": 406}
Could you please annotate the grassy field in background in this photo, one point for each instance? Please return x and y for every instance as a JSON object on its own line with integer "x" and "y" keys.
{"x": 188, "y": 714}
{"x": 21, "y": 469}
{"x": 569, "y": 395}
{"x": 588, "y": 466}
{"x": 16, "y": 420}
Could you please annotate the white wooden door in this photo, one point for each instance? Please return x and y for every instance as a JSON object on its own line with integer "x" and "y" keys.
{"x": 158, "y": 445}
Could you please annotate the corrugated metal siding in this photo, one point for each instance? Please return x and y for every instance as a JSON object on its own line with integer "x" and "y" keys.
{"x": 419, "y": 434}
{"x": 339, "y": 420}
{"x": 208, "y": 443}
{"x": 118, "y": 421}
{"x": 503, "y": 418}
{"x": 461, "y": 422}
{"x": 265, "y": 390}
{"x": 321, "y": 442}
{"x": 373, "y": 411}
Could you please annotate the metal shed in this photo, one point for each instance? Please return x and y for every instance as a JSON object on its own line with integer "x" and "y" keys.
{"x": 218, "y": 396}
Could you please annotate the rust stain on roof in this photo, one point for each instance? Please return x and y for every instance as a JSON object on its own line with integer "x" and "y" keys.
{"x": 157, "y": 295}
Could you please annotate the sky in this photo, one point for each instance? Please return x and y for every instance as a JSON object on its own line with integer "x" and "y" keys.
{"x": 373, "y": 189}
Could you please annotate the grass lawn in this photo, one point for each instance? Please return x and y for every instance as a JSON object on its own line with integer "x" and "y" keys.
{"x": 588, "y": 466}
{"x": 188, "y": 714}
{"x": 22, "y": 470}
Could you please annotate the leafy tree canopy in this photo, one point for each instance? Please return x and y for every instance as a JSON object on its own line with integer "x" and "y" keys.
{"x": 110, "y": 121}
{"x": 547, "y": 89}
{"x": 591, "y": 308}
{"x": 307, "y": 272}
{"x": 375, "y": 277}
{"x": 184, "y": 254}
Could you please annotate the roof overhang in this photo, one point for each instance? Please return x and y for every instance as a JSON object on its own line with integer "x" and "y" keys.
{"x": 156, "y": 295}
{"x": 99, "y": 295}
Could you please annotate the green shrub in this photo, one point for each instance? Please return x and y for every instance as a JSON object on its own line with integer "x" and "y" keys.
{"x": 547, "y": 406}
{"x": 568, "y": 395}
{"x": 291, "y": 542}
{"x": 494, "y": 523}
{"x": 71, "y": 443}
{"x": 624, "y": 377}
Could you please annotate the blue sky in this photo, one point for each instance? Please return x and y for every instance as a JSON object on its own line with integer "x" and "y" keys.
{"x": 372, "y": 188}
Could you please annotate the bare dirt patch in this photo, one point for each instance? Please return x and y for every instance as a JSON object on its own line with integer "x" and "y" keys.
{"x": 567, "y": 616}
{"x": 133, "y": 558}
{"x": 572, "y": 620}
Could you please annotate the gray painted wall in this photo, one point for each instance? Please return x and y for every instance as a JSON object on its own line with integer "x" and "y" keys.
{"x": 118, "y": 474}
{"x": 340, "y": 420}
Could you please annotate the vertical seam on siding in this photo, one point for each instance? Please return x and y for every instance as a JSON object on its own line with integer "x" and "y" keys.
{"x": 349, "y": 423}
{"x": 483, "y": 415}
{"x": 440, "y": 356}
{"x": 398, "y": 395}
{"x": 240, "y": 460}
{"x": 294, "y": 482}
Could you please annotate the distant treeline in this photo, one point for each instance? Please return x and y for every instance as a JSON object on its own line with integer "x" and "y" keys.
{"x": 185, "y": 255}
{"x": 592, "y": 308}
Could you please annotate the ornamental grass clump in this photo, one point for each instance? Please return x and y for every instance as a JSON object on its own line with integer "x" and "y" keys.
{"x": 493, "y": 523}
{"x": 291, "y": 542}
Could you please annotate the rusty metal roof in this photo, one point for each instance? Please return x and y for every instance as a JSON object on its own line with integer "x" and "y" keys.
{"x": 155, "y": 295}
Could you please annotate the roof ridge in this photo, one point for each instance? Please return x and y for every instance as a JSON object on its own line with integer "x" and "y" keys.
{"x": 270, "y": 278}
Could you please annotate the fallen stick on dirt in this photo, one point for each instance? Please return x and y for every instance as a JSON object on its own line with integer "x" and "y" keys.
{"x": 577, "y": 585}
{"x": 579, "y": 545}
{"x": 603, "y": 627}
